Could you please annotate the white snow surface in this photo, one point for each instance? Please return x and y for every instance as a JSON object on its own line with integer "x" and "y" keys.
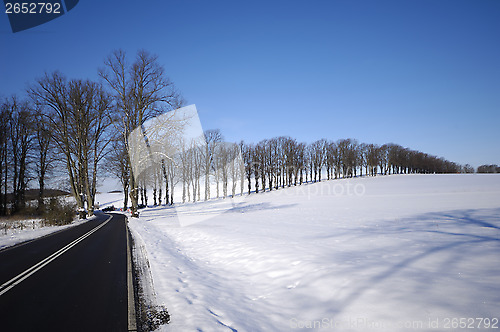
{"x": 384, "y": 253}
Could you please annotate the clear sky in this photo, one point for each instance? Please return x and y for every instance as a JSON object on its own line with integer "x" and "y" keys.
{"x": 421, "y": 73}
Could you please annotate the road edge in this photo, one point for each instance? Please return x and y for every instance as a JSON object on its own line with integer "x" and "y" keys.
{"x": 132, "y": 319}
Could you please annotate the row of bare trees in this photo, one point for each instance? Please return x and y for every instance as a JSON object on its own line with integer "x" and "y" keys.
{"x": 18, "y": 140}
{"x": 62, "y": 124}
{"x": 488, "y": 169}
{"x": 81, "y": 123}
{"x": 205, "y": 167}
{"x": 75, "y": 112}
{"x": 140, "y": 91}
{"x": 74, "y": 123}
{"x": 77, "y": 124}
{"x": 278, "y": 163}
{"x": 283, "y": 162}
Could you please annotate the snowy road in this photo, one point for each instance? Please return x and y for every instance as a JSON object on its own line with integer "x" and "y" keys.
{"x": 73, "y": 280}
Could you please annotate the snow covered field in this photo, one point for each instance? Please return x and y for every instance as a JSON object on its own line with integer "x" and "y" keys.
{"x": 382, "y": 254}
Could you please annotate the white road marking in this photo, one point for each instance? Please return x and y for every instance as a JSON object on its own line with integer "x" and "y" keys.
{"x": 4, "y": 288}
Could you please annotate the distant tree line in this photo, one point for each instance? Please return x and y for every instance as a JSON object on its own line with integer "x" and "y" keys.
{"x": 283, "y": 162}
{"x": 202, "y": 168}
{"x": 488, "y": 169}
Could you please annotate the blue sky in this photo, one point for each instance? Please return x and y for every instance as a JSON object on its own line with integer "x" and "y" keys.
{"x": 424, "y": 74}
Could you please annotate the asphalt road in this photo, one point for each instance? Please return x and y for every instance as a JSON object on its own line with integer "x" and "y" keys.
{"x": 83, "y": 287}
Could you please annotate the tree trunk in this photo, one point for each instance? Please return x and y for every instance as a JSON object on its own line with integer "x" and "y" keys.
{"x": 125, "y": 197}
{"x": 249, "y": 180}
{"x": 167, "y": 200}
{"x": 134, "y": 196}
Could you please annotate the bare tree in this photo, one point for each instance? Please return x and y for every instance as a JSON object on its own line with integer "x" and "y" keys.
{"x": 235, "y": 166}
{"x": 247, "y": 154}
{"x": 141, "y": 90}
{"x": 372, "y": 158}
{"x": 309, "y": 157}
{"x": 272, "y": 163}
{"x": 348, "y": 155}
{"x": 44, "y": 158}
{"x": 164, "y": 169}
{"x": 223, "y": 156}
{"x": 383, "y": 159}
{"x": 483, "y": 169}
{"x": 172, "y": 176}
{"x": 318, "y": 157}
{"x": 301, "y": 147}
{"x": 354, "y": 157}
{"x": 363, "y": 158}
{"x": 185, "y": 162}
{"x": 212, "y": 138}
{"x": 329, "y": 159}
{"x": 242, "y": 170}
{"x": 262, "y": 162}
{"x": 117, "y": 163}
{"x": 289, "y": 159}
{"x": 21, "y": 135}
{"x": 281, "y": 159}
{"x": 196, "y": 163}
{"x": 256, "y": 166}
{"x": 4, "y": 153}
{"x": 76, "y": 112}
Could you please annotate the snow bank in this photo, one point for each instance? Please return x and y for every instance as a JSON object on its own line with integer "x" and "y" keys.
{"x": 15, "y": 232}
{"x": 383, "y": 253}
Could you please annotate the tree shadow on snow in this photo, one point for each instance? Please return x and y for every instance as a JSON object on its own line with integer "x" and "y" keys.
{"x": 439, "y": 253}
{"x": 244, "y": 207}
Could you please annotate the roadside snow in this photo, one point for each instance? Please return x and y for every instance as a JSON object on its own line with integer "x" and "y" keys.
{"x": 17, "y": 231}
{"x": 14, "y": 232}
{"x": 383, "y": 253}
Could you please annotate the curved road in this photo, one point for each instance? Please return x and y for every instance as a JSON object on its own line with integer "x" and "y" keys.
{"x": 72, "y": 280}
